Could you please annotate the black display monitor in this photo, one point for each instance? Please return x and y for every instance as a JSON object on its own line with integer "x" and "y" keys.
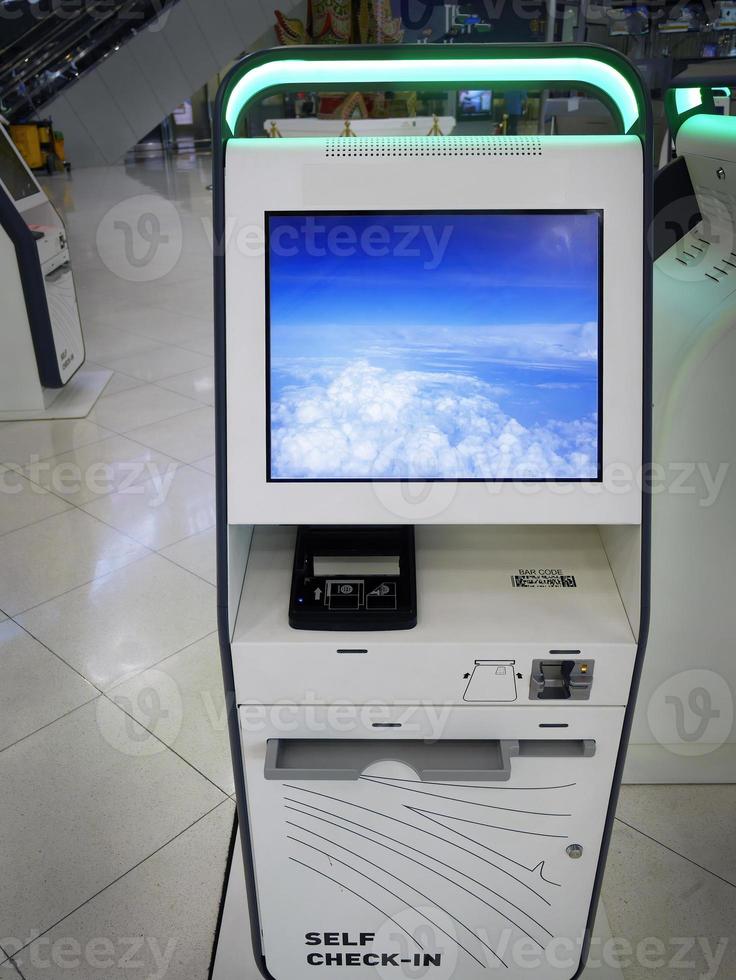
{"x": 14, "y": 175}
{"x": 474, "y": 104}
{"x": 434, "y": 345}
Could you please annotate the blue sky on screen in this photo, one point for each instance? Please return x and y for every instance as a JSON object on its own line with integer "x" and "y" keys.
{"x": 434, "y": 345}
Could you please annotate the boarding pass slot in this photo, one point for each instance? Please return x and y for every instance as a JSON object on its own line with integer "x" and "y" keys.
{"x": 476, "y": 760}
{"x": 356, "y": 565}
{"x": 59, "y": 272}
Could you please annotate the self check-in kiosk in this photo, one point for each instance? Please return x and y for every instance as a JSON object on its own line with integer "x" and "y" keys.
{"x": 432, "y": 417}
{"x": 43, "y": 347}
{"x": 685, "y": 712}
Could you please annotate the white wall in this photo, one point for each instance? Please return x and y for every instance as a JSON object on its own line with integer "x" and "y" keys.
{"x": 113, "y": 106}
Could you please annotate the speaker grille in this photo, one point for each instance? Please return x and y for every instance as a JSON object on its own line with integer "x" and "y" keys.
{"x": 434, "y": 146}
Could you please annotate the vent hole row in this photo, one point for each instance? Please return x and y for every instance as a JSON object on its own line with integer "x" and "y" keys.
{"x": 448, "y": 146}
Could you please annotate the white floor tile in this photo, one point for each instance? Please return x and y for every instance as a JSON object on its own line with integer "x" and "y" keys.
{"x": 35, "y": 686}
{"x": 94, "y": 807}
{"x": 695, "y": 821}
{"x": 128, "y": 410}
{"x": 207, "y": 464}
{"x": 118, "y": 295}
{"x": 196, "y": 553}
{"x": 97, "y": 303}
{"x": 22, "y": 441}
{"x": 186, "y": 437}
{"x": 126, "y": 621}
{"x": 114, "y": 465}
{"x": 176, "y": 504}
{"x": 23, "y": 503}
{"x": 164, "y": 362}
{"x": 199, "y": 384}
{"x": 170, "y": 901}
{"x": 163, "y": 326}
{"x": 193, "y": 297}
{"x": 103, "y": 344}
{"x": 57, "y": 554}
{"x": 651, "y": 893}
{"x": 120, "y": 382}
{"x": 203, "y": 343}
{"x": 187, "y": 692}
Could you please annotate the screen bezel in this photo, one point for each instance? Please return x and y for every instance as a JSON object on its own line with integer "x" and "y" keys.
{"x": 482, "y": 114}
{"x": 324, "y": 212}
{"x": 30, "y": 200}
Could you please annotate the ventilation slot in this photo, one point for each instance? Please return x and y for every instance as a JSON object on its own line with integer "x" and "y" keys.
{"x": 434, "y": 146}
{"x": 718, "y": 273}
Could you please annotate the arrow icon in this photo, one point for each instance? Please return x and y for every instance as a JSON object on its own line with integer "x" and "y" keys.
{"x": 318, "y": 594}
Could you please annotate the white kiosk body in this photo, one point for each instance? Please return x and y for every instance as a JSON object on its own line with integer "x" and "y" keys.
{"x": 433, "y": 797}
{"x": 41, "y": 330}
{"x": 683, "y": 729}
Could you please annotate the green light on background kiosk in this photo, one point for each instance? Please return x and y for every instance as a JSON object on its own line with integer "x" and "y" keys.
{"x": 547, "y": 71}
{"x": 687, "y": 99}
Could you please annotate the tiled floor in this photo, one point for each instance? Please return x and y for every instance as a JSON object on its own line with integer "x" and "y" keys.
{"x": 115, "y": 776}
{"x": 115, "y": 807}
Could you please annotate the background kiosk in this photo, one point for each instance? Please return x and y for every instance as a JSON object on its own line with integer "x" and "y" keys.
{"x": 43, "y": 347}
{"x": 683, "y": 728}
{"x": 433, "y": 543}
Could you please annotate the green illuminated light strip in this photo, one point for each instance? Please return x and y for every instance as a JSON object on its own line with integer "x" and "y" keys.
{"x": 687, "y": 99}
{"x": 546, "y": 71}
{"x": 713, "y": 126}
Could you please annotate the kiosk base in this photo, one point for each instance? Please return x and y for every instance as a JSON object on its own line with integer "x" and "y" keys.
{"x": 232, "y": 956}
{"x": 74, "y": 401}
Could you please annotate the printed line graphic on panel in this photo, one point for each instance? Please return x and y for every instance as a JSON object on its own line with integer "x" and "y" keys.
{"x": 439, "y": 875}
{"x": 342, "y": 884}
{"x": 417, "y": 850}
{"x": 453, "y": 799}
{"x": 333, "y": 857}
{"x": 428, "y": 833}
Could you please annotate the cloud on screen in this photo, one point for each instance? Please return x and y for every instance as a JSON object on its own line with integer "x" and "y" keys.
{"x": 359, "y": 420}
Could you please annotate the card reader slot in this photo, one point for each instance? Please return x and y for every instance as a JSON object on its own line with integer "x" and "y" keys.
{"x": 480, "y": 760}
{"x": 58, "y": 272}
{"x": 355, "y": 565}
{"x": 557, "y": 748}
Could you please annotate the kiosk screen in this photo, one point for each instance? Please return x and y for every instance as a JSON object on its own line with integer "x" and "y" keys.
{"x": 434, "y": 346}
{"x": 13, "y": 174}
